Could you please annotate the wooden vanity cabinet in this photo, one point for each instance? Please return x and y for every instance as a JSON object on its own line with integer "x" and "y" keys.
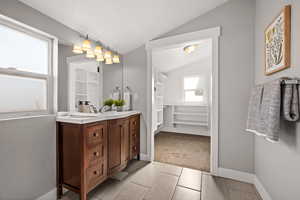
{"x": 87, "y": 154}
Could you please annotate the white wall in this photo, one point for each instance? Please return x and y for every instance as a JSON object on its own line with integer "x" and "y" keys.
{"x": 277, "y": 165}
{"x": 236, "y": 19}
{"x": 173, "y": 86}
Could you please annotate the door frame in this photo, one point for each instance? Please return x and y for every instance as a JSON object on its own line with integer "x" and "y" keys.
{"x": 171, "y": 42}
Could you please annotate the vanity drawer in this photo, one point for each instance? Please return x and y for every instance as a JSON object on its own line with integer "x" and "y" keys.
{"x": 96, "y": 134}
{"x": 96, "y": 174}
{"x": 96, "y": 154}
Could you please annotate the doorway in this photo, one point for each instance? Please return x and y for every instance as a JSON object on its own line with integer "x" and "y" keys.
{"x": 183, "y": 119}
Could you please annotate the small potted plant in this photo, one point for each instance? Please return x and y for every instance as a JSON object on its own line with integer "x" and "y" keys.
{"x": 109, "y": 103}
{"x": 119, "y": 104}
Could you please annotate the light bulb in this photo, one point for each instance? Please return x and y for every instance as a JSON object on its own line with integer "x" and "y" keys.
{"x": 86, "y": 45}
{"x": 116, "y": 59}
{"x": 90, "y": 54}
{"x": 189, "y": 48}
{"x": 77, "y": 49}
{"x": 107, "y": 54}
{"x": 100, "y": 58}
{"x": 98, "y": 50}
{"x": 108, "y": 61}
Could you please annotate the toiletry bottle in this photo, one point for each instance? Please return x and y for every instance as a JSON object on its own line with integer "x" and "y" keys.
{"x": 116, "y": 95}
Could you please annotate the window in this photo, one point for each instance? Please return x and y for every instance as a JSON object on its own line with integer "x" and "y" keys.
{"x": 26, "y": 72}
{"x": 192, "y": 91}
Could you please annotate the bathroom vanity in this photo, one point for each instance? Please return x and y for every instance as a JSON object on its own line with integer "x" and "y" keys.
{"x": 91, "y": 149}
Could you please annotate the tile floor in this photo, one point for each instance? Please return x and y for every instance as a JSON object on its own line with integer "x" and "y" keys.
{"x": 158, "y": 181}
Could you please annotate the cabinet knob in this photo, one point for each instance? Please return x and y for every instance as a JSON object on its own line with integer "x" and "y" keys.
{"x": 95, "y": 134}
{"x": 96, "y": 172}
{"x": 96, "y": 153}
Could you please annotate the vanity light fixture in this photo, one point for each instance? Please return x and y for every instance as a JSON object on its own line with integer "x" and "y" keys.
{"x": 100, "y": 58}
{"x": 108, "y": 61}
{"x": 86, "y": 44}
{"x": 90, "y": 54}
{"x": 107, "y": 54}
{"x": 116, "y": 58}
{"x": 98, "y": 50}
{"x": 77, "y": 49}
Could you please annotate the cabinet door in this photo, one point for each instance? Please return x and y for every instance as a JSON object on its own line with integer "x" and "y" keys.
{"x": 125, "y": 141}
{"x": 114, "y": 144}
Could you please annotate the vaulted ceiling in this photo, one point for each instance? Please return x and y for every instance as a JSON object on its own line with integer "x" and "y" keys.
{"x": 123, "y": 24}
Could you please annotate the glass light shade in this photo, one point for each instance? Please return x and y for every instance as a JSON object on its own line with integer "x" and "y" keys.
{"x": 86, "y": 45}
{"x": 189, "y": 48}
{"x": 100, "y": 58}
{"x": 108, "y": 61}
{"x": 116, "y": 59}
{"x": 77, "y": 49}
{"x": 98, "y": 50}
{"x": 107, "y": 54}
{"x": 90, "y": 54}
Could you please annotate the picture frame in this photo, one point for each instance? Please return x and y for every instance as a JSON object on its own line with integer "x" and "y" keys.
{"x": 278, "y": 42}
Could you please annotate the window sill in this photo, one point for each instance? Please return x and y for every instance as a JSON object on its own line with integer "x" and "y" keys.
{"x": 25, "y": 117}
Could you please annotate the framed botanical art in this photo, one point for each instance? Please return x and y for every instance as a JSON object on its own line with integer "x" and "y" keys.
{"x": 278, "y": 42}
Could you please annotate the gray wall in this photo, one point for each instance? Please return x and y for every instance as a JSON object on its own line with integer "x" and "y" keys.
{"x": 135, "y": 76}
{"x": 28, "y": 162}
{"x": 277, "y": 165}
{"x": 112, "y": 77}
{"x": 236, "y": 75}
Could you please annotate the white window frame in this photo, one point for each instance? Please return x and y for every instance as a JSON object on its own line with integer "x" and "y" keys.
{"x": 188, "y": 90}
{"x": 50, "y": 77}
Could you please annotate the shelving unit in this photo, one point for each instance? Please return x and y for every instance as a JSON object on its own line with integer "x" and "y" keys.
{"x": 189, "y": 119}
{"x": 159, "y": 98}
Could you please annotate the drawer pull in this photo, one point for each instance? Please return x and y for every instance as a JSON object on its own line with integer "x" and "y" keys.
{"x": 96, "y": 153}
{"x": 95, "y": 134}
{"x": 134, "y": 123}
{"x": 134, "y": 148}
{"x": 96, "y": 172}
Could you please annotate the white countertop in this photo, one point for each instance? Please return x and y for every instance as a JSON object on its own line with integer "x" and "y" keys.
{"x": 84, "y": 118}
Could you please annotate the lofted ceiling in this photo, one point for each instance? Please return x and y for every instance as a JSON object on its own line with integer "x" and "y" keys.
{"x": 169, "y": 59}
{"x": 123, "y": 24}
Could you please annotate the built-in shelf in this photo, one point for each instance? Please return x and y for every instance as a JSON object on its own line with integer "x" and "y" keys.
{"x": 190, "y": 123}
{"x": 192, "y": 114}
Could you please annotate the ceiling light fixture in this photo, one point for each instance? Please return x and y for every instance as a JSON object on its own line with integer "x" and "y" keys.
{"x": 107, "y": 54}
{"x": 190, "y": 48}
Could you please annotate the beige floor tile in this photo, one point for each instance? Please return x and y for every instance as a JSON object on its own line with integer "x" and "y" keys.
{"x": 167, "y": 168}
{"x": 190, "y": 178}
{"x": 163, "y": 187}
{"x": 131, "y": 191}
{"x": 213, "y": 188}
{"x": 145, "y": 176}
{"x": 108, "y": 190}
{"x": 241, "y": 195}
{"x": 182, "y": 193}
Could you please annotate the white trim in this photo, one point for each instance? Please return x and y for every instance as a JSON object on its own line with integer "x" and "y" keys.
{"x": 48, "y": 196}
{"x": 145, "y": 157}
{"x": 236, "y": 175}
{"x": 261, "y": 190}
{"x": 171, "y": 42}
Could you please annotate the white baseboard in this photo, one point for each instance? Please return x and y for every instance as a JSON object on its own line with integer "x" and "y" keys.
{"x": 236, "y": 175}
{"x": 48, "y": 196}
{"x": 261, "y": 190}
{"x": 185, "y": 130}
{"x": 145, "y": 157}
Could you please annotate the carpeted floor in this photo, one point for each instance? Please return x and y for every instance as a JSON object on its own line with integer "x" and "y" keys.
{"x": 191, "y": 151}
